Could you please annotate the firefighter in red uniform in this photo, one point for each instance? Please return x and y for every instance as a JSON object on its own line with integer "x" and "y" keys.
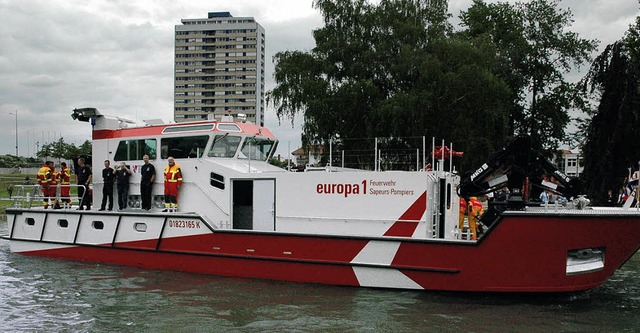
{"x": 44, "y": 177}
{"x": 172, "y": 183}
{"x": 64, "y": 176}
{"x": 53, "y": 187}
{"x": 475, "y": 212}
{"x": 463, "y": 212}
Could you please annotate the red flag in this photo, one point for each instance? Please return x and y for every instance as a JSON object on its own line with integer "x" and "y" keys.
{"x": 440, "y": 150}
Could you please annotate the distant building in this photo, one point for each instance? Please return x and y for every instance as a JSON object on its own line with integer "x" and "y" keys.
{"x": 309, "y": 156}
{"x": 219, "y": 66}
{"x": 571, "y": 163}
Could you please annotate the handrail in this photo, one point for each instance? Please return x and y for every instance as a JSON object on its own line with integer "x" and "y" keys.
{"x": 29, "y": 193}
{"x": 207, "y": 196}
{"x": 19, "y": 194}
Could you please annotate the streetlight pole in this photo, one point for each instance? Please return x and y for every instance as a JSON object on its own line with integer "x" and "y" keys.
{"x": 16, "y": 114}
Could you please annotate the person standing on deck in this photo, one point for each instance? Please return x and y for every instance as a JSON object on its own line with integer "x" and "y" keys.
{"x": 475, "y": 212}
{"x": 108, "y": 178}
{"x": 148, "y": 173}
{"x": 172, "y": 184}
{"x": 53, "y": 186}
{"x": 64, "y": 176}
{"x": 544, "y": 197}
{"x": 122, "y": 175}
{"x": 44, "y": 179}
{"x": 83, "y": 178}
{"x": 611, "y": 200}
{"x": 462, "y": 213}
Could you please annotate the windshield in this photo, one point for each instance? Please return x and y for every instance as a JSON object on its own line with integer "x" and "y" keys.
{"x": 256, "y": 148}
{"x": 183, "y": 146}
{"x": 224, "y": 146}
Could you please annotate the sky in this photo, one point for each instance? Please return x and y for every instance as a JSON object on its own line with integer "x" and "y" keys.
{"x": 117, "y": 56}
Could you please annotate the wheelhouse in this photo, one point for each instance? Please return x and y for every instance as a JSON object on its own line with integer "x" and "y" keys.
{"x": 194, "y": 140}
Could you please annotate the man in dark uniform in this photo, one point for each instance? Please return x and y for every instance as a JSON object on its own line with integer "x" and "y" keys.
{"x": 108, "y": 177}
{"x": 122, "y": 177}
{"x": 148, "y": 173}
{"x": 83, "y": 178}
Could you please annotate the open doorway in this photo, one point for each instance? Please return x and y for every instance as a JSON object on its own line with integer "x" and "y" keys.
{"x": 254, "y": 204}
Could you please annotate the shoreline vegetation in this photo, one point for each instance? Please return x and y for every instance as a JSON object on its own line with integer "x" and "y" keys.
{"x": 7, "y": 182}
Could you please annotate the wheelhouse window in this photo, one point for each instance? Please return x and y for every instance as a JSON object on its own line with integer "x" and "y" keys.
{"x": 190, "y": 128}
{"x": 256, "y": 148}
{"x": 133, "y": 150}
{"x": 224, "y": 146}
{"x": 229, "y": 128}
{"x": 184, "y": 146}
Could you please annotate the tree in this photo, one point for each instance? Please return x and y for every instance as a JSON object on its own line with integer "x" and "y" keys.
{"x": 12, "y": 161}
{"x": 535, "y": 52}
{"x": 613, "y": 132}
{"x": 392, "y": 70}
{"x": 62, "y": 150}
{"x": 45, "y": 151}
{"x": 85, "y": 148}
{"x": 278, "y": 163}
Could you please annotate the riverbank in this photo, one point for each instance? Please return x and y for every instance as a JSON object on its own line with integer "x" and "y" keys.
{"x": 7, "y": 183}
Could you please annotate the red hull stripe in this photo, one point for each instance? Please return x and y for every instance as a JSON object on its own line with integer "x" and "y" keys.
{"x": 78, "y": 253}
{"x": 404, "y": 228}
{"x": 214, "y": 265}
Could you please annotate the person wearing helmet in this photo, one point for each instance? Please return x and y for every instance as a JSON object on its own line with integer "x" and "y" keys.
{"x": 475, "y": 212}
{"x": 462, "y": 214}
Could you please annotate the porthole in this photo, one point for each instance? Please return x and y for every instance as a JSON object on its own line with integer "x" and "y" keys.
{"x": 98, "y": 225}
{"x": 63, "y": 223}
{"x": 140, "y": 227}
{"x": 30, "y": 221}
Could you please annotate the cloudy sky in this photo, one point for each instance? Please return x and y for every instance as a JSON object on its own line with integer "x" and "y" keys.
{"x": 117, "y": 56}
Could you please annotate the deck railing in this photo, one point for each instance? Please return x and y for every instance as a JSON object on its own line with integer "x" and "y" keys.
{"x": 23, "y": 196}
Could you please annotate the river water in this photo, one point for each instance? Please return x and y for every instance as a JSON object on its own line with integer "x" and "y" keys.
{"x": 47, "y": 295}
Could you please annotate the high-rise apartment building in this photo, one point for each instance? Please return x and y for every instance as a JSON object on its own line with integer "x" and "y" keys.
{"x": 219, "y": 68}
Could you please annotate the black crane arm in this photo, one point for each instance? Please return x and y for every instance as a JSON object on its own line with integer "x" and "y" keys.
{"x": 512, "y": 167}
{"x": 507, "y": 167}
{"x": 569, "y": 187}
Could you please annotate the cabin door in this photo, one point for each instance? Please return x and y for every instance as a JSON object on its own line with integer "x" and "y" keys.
{"x": 254, "y": 204}
{"x": 264, "y": 204}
